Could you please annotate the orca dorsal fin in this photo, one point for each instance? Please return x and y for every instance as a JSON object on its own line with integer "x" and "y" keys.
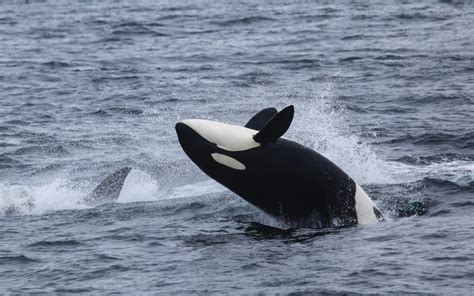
{"x": 276, "y": 127}
{"x": 259, "y": 120}
{"x": 109, "y": 189}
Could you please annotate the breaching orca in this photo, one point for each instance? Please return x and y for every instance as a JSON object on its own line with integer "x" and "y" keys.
{"x": 285, "y": 179}
{"x": 109, "y": 189}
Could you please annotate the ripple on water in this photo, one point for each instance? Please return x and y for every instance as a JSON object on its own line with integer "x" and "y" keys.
{"x": 55, "y": 243}
{"x": 18, "y": 259}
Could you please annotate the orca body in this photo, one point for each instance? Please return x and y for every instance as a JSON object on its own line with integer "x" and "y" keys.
{"x": 109, "y": 189}
{"x": 283, "y": 178}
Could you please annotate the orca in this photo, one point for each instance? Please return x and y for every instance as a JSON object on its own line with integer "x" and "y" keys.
{"x": 109, "y": 189}
{"x": 281, "y": 177}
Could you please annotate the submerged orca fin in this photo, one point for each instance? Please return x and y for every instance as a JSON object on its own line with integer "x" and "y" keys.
{"x": 109, "y": 189}
{"x": 276, "y": 127}
{"x": 259, "y": 120}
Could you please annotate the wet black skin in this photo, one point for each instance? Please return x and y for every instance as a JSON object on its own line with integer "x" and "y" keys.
{"x": 283, "y": 178}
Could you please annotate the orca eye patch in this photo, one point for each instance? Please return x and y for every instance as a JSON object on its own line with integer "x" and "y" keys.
{"x": 225, "y": 136}
{"x": 228, "y": 161}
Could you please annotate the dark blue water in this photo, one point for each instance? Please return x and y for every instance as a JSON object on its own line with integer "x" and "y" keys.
{"x": 385, "y": 90}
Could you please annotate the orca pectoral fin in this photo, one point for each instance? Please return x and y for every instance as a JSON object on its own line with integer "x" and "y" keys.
{"x": 259, "y": 120}
{"x": 276, "y": 127}
{"x": 109, "y": 189}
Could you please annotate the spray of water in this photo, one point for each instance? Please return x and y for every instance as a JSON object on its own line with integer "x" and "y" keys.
{"x": 60, "y": 195}
{"x": 322, "y": 123}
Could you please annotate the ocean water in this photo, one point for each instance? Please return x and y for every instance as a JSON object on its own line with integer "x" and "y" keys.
{"x": 385, "y": 89}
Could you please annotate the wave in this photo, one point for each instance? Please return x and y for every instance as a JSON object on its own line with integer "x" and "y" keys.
{"x": 118, "y": 110}
{"x": 105, "y": 79}
{"x": 171, "y": 17}
{"x": 290, "y": 64}
{"x": 460, "y": 172}
{"x": 8, "y": 21}
{"x": 57, "y": 64}
{"x": 53, "y": 150}
{"x": 460, "y": 141}
{"x": 435, "y": 158}
{"x": 432, "y": 99}
{"x": 417, "y": 16}
{"x": 17, "y": 259}
{"x": 244, "y": 21}
{"x": 8, "y": 162}
{"x": 132, "y": 24}
{"x": 448, "y": 186}
{"x": 357, "y": 37}
{"x": 133, "y": 28}
{"x": 57, "y": 243}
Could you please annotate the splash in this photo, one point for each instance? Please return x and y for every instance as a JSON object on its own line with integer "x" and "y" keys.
{"x": 197, "y": 189}
{"x": 38, "y": 199}
{"x": 139, "y": 186}
{"x": 59, "y": 194}
{"x": 460, "y": 172}
{"x": 323, "y": 124}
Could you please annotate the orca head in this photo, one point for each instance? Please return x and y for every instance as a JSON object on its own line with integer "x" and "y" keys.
{"x": 210, "y": 144}
{"x": 225, "y": 151}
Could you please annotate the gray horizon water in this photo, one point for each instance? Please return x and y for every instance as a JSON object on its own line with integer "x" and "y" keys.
{"x": 385, "y": 90}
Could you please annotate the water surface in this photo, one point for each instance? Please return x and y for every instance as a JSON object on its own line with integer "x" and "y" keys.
{"x": 385, "y": 90}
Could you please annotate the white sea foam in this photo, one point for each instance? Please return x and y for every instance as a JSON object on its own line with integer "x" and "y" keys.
{"x": 59, "y": 195}
{"x": 460, "y": 172}
{"x": 322, "y": 124}
{"x": 38, "y": 199}
{"x": 139, "y": 186}
{"x": 200, "y": 188}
